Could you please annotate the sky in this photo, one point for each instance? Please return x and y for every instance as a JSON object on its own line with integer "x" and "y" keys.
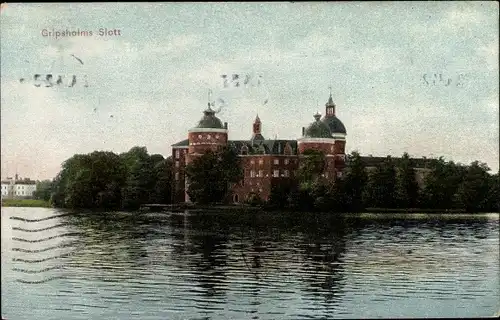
{"x": 416, "y": 77}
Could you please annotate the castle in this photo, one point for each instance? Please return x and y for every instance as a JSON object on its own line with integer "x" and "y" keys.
{"x": 266, "y": 162}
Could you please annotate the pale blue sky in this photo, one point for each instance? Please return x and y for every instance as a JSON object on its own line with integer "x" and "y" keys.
{"x": 154, "y": 77}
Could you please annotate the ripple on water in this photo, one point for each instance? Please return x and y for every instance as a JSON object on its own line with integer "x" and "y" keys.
{"x": 429, "y": 268}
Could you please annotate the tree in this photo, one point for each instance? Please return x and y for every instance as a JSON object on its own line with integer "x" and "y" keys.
{"x": 43, "y": 190}
{"x": 472, "y": 193}
{"x": 354, "y": 183}
{"x": 441, "y": 185}
{"x": 139, "y": 178}
{"x": 382, "y": 185}
{"x": 407, "y": 189}
{"x": 211, "y": 174}
{"x": 163, "y": 184}
{"x": 311, "y": 167}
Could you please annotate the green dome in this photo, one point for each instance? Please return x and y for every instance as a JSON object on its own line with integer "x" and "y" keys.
{"x": 209, "y": 120}
{"x": 317, "y": 129}
{"x": 334, "y": 124}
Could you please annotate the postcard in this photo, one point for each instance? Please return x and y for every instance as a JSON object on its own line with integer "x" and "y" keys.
{"x": 243, "y": 160}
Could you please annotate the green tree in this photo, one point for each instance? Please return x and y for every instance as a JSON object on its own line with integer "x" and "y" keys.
{"x": 311, "y": 167}
{"x": 473, "y": 191}
{"x": 441, "y": 185}
{"x": 43, "y": 190}
{"x": 354, "y": 184}
{"x": 211, "y": 174}
{"x": 407, "y": 189}
{"x": 382, "y": 185}
{"x": 139, "y": 178}
{"x": 493, "y": 197}
{"x": 163, "y": 184}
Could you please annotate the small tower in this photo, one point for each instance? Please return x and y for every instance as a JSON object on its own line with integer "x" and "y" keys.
{"x": 257, "y": 125}
{"x": 257, "y": 136}
{"x": 330, "y": 106}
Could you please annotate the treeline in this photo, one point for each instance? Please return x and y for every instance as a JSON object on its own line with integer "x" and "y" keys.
{"x": 392, "y": 185}
{"x": 109, "y": 181}
{"x": 105, "y": 180}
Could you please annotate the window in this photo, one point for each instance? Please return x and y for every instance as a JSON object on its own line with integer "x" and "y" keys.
{"x": 261, "y": 173}
{"x": 177, "y": 176}
{"x": 261, "y": 161}
{"x": 260, "y": 190}
{"x": 276, "y": 173}
{"x": 287, "y": 174}
{"x": 252, "y": 162}
{"x": 252, "y": 174}
{"x": 339, "y": 174}
{"x": 177, "y": 154}
{"x": 177, "y": 164}
{"x": 244, "y": 150}
{"x": 200, "y": 136}
{"x": 216, "y": 136}
{"x": 276, "y": 161}
{"x": 209, "y": 137}
{"x": 287, "y": 161}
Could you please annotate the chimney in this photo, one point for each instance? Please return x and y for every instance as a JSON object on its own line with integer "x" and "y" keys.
{"x": 303, "y": 131}
{"x": 225, "y": 125}
{"x": 17, "y": 177}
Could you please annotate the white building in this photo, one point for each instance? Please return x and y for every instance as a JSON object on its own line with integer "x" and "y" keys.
{"x": 18, "y": 188}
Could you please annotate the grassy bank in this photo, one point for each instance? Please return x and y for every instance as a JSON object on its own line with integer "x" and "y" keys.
{"x": 25, "y": 203}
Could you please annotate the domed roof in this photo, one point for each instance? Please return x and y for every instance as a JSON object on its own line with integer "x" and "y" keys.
{"x": 317, "y": 129}
{"x": 334, "y": 124}
{"x": 209, "y": 120}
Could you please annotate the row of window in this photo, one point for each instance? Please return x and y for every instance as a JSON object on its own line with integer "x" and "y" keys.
{"x": 178, "y": 153}
{"x": 18, "y": 187}
{"x": 276, "y": 174}
{"x": 18, "y": 193}
{"x": 275, "y": 161}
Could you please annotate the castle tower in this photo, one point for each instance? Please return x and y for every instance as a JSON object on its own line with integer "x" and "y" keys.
{"x": 209, "y": 134}
{"x": 337, "y": 130}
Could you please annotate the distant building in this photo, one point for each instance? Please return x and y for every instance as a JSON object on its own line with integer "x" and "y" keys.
{"x": 17, "y": 188}
{"x": 269, "y": 162}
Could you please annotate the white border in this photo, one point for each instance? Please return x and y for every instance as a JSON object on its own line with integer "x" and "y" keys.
{"x": 195, "y": 130}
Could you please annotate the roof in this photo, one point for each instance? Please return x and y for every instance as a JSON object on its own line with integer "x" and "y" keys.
{"x": 183, "y": 143}
{"x": 275, "y": 147}
{"x": 317, "y": 129}
{"x": 370, "y": 161}
{"x": 209, "y": 120}
{"x": 334, "y": 123}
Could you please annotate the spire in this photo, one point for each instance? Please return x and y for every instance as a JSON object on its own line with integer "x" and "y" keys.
{"x": 330, "y": 99}
{"x": 209, "y": 110}
{"x": 257, "y": 119}
{"x": 209, "y": 98}
{"x": 330, "y": 106}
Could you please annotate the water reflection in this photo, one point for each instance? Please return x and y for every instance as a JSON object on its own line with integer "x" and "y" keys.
{"x": 264, "y": 266}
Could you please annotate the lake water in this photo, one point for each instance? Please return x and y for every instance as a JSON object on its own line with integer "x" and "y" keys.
{"x": 252, "y": 266}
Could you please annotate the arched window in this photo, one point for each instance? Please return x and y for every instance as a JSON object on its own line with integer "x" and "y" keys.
{"x": 244, "y": 150}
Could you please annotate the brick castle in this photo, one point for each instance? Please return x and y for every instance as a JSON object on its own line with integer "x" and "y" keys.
{"x": 268, "y": 162}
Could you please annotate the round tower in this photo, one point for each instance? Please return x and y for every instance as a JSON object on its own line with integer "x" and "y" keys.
{"x": 316, "y": 137}
{"x": 209, "y": 134}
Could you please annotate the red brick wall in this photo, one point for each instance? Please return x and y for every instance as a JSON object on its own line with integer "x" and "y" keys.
{"x": 262, "y": 185}
{"x": 326, "y": 148}
{"x": 339, "y": 147}
{"x": 208, "y": 140}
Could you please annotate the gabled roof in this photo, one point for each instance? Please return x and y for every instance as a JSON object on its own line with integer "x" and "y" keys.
{"x": 183, "y": 143}
{"x": 275, "y": 147}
